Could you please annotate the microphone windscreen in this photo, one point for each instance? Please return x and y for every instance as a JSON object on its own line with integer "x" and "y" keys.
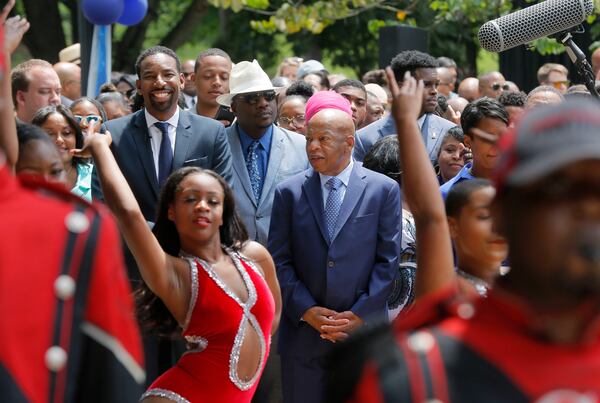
{"x": 543, "y": 19}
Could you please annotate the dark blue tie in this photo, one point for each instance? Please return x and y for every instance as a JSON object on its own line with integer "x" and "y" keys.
{"x": 165, "y": 155}
{"x": 333, "y": 204}
{"x": 252, "y": 164}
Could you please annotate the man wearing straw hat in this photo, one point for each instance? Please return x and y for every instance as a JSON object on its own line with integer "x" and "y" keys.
{"x": 263, "y": 154}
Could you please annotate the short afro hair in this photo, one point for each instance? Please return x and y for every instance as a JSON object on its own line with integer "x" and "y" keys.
{"x": 513, "y": 98}
{"x": 155, "y": 50}
{"x": 301, "y": 88}
{"x": 460, "y": 194}
{"x": 410, "y": 60}
{"x": 480, "y": 109}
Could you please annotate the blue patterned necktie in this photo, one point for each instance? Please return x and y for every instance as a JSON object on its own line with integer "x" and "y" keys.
{"x": 333, "y": 204}
{"x": 254, "y": 169}
{"x": 165, "y": 154}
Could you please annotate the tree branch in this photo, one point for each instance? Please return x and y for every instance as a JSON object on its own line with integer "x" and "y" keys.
{"x": 184, "y": 28}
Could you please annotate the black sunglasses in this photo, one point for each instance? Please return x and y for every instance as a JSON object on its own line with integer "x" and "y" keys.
{"x": 496, "y": 87}
{"x": 253, "y": 97}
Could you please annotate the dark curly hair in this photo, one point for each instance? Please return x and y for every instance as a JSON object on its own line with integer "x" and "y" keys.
{"x": 151, "y": 311}
{"x": 410, "y": 60}
{"x": 301, "y": 88}
{"x": 513, "y": 98}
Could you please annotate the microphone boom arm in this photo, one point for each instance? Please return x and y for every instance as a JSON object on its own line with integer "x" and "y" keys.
{"x": 578, "y": 58}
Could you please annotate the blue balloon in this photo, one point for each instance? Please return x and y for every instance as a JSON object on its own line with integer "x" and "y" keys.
{"x": 102, "y": 12}
{"x": 134, "y": 12}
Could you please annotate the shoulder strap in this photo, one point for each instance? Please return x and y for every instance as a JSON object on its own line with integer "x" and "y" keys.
{"x": 77, "y": 262}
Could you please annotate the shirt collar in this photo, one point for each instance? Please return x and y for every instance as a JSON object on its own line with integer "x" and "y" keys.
{"x": 344, "y": 176}
{"x": 264, "y": 141}
{"x": 421, "y": 120}
{"x": 172, "y": 121}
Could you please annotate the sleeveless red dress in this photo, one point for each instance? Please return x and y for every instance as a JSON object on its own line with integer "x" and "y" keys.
{"x": 214, "y": 330}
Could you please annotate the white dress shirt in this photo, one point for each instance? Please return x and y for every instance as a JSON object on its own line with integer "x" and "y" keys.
{"x": 344, "y": 176}
{"x": 156, "y": 134}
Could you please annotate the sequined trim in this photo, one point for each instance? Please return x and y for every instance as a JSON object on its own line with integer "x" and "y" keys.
{"x": 194, "y": 296}
{"x": 195, "y": 344}
{"x": 164, "y": 393}
{"x": 251, "y": 264}
{"x": 234, "y": 358}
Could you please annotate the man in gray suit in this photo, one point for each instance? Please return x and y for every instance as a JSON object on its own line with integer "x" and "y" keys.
{"x": 263, "y": 154}
{"x": 161, "y": 138}
{"x": 423, "y": 67}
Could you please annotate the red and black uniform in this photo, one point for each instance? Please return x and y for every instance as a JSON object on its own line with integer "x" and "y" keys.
{"x": 67, "y": 328}
{"x": 488, "y": 350}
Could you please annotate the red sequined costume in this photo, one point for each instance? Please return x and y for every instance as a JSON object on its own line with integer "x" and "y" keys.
{"x": 214, "y": 330}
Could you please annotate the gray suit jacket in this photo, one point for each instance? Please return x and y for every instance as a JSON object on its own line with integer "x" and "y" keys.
{"x": 199, "y": 142}
{"x": 286, "y": 158}
{"x": 367, "y": 136}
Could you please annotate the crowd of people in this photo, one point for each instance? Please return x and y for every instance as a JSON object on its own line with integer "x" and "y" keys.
{"x": 412, "y": 236}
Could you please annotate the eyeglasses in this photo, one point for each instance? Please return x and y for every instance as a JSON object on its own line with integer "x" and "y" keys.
{"x": 88, "y": 119}
{"x": 297, "y": 121}
{"x": 253, "y": 97}
{"x": 496, "y": 87}
{"x": 188, "y": 75}
{"x": 560, "y": 84}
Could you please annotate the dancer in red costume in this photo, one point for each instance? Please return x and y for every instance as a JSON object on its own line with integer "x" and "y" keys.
{"x": 202, "y": 275}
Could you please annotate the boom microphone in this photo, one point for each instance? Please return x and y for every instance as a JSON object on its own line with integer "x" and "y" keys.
{"x": 543, "y": 19}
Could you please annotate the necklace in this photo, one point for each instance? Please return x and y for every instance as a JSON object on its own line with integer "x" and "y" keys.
{"x": 481, "y": 286}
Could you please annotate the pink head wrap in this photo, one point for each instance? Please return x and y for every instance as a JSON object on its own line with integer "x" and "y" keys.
{"x": 326, "y": 100}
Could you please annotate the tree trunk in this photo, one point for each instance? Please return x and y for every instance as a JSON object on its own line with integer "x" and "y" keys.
{"x": 45, "y": 38}
{"x": 184, "y": 28}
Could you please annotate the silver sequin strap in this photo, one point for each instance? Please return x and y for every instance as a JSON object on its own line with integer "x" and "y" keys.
{"x": 194, "y": 288}
{"x": 166, "y": 394}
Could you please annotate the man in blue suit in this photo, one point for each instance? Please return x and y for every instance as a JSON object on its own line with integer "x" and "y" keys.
{"x": 263, "y": 154}
{"x": 423, "y": 67}
{"x": 335, "y": 239}
{"x": 145, "y": 155}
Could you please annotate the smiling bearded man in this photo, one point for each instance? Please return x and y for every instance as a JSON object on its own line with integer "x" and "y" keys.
{"x": 157, "y": 140}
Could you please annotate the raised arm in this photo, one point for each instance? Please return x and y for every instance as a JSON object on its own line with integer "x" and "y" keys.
{"x": 14, "y": 29}
{"x": 435, "y": 268}
{"x": 167, "y": 276}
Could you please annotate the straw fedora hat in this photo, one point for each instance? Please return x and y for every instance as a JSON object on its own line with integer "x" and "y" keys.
{"x": 247, "y": 77}
{"x": 71, "y": 54}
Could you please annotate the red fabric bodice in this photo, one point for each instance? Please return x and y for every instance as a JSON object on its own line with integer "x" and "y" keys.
{"x": 214, "y": 329}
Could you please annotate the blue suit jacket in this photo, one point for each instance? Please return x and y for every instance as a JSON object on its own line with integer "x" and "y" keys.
{"x": 367, "y": 136}
{"x": 354, "y": 272}
{"x": 199, "y": 142}
{"x": 287, "y": 158}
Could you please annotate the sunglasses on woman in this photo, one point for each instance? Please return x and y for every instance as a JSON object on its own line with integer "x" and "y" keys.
{"x": 89, "y": 118}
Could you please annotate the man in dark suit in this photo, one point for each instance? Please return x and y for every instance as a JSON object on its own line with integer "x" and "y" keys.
{"x": 335, "y": 239}
{"x": 155, "y": 141}
{"x": 423, "y": 67}
{"x": 145, "y": 155}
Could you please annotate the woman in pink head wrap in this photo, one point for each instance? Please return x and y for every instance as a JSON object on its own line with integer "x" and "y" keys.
{"x": 326, "y": 100}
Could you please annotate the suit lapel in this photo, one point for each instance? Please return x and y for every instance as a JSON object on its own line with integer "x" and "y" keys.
{"x": 183, "y": 140}
{"x": 356, "y": 187}
{"x": 312, "y": 188}
{"x": 239, "y": 162}
{"x": 141, "y": 138}
{"x": 275, "y": 157}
